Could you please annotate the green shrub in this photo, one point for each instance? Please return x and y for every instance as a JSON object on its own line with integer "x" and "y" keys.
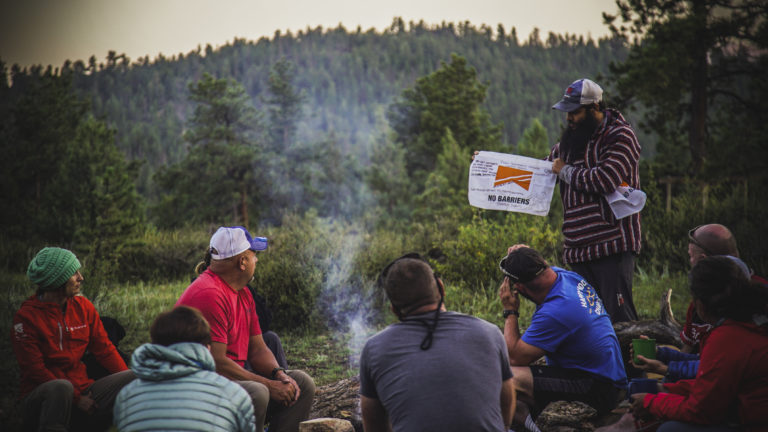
{"x": 484, "y": 303}
{"x": 471, "y": 259}
{"x": 164, "y": 255}
{"x": 289, "y": 274}
{"x": 319, "y": 273}
{"x": 136, "y": 305}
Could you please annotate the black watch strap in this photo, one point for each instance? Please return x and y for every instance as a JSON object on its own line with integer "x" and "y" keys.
{"x": 276, "y": 370}
{"x": 508, "y": 312}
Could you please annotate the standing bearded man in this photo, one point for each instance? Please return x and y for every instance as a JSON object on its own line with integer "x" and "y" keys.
{"x": 597, "y": 153}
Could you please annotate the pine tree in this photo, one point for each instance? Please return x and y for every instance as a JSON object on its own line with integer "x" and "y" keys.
{"x": 451, "y": 98}
{"x": 284, "y": 106}
{"x": 535, "y": 142}
{"x": 71, "y": 186}
{"x": 689, "y": 61}
{"x": 388, "y": 179}
{"x": 444, "y": 199}
{"x": 216, "y": 182}
{"x": 95, "y": 198}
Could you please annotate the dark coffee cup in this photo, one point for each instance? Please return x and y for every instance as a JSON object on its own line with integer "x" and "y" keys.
{"x": 643, "y": 385}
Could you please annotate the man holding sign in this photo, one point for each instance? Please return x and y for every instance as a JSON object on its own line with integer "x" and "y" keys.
{"x": 597, "y": 153}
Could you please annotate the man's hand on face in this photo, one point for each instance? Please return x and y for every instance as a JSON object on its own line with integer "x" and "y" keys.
{"x": 508, "y": 296}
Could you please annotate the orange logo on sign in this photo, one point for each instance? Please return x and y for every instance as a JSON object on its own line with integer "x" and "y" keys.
{"x": 519, "y": 177}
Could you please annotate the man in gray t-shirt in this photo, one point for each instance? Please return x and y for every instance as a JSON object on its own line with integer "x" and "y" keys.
{"x": 434, "y": 370}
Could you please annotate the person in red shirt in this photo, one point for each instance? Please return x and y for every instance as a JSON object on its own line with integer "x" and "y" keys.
{"x": 51, "y": 332}
{"x": 730, "y": 391}
{"x": 220, "y": 294}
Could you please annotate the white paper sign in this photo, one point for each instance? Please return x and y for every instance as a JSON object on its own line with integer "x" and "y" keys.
{"x": 499, "y": 181}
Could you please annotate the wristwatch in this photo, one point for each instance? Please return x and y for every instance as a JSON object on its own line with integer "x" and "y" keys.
{"x": 508, "y": 312}
{"x": 276, "y": 370}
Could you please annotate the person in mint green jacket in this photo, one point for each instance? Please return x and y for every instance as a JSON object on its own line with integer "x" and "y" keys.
{"x": 177, "y": 386}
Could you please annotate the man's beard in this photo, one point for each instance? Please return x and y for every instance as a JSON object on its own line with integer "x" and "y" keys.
{"x": 573, "y": 142}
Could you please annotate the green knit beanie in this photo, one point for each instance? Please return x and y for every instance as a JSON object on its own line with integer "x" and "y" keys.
{"x": 51, "y": 268}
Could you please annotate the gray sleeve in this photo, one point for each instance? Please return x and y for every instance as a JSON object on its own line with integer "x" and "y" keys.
{"x": 566, "y": 173}
{"x": 367, "y": 386}
{"x": 506, "y": 371}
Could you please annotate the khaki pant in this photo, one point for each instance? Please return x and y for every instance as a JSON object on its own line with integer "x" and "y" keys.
{"x": 281, "y": 418}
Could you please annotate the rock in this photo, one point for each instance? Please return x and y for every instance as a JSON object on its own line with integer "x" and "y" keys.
{"x": 564, "y": 416}
{"x": 625, "y": 423}
{"x": 326, "y": 425}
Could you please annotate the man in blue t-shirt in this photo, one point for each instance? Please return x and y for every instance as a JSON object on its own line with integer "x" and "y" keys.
{"x": 570, "y": 327}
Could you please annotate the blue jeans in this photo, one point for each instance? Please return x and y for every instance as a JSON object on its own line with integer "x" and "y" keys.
{"x": 676, "y": 426}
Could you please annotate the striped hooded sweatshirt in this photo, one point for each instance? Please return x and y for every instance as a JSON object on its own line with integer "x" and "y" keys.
{"x": 590, "y": 229}
{"x": 178, "y": 389}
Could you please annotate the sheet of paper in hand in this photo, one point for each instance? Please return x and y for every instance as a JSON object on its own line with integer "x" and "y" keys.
{"x": 499, "y": 181}
{"x": 625, "y": 200}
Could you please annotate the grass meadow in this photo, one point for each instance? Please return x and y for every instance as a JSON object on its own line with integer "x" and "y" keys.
{"x": 326, "y": 355}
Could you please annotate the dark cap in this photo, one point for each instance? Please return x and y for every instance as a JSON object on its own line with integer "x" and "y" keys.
{"x": 523, "y": 265}
{"x": 580, "y": 92}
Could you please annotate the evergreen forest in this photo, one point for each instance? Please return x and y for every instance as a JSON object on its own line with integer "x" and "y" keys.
{"x": 350, "y": 147}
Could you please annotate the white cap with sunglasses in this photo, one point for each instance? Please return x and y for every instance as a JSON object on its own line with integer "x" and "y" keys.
{"x": 227, "y": 242}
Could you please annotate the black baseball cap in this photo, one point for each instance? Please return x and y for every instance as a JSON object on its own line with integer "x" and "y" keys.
{"x": 523, "y": 265}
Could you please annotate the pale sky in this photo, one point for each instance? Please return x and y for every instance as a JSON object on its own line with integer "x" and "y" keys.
{"x": 48, "y": 32}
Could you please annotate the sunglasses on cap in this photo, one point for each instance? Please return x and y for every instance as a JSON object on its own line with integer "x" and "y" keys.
{"x": 516, "y": 278}
{"x": 692, "y": 239}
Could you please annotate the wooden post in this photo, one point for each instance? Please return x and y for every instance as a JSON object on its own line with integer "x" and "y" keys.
{"x": 746, "y": 194}
{"x": 669, "y": 197}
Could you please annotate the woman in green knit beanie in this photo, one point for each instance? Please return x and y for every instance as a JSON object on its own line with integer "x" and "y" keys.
{"x": 52, "y": 330}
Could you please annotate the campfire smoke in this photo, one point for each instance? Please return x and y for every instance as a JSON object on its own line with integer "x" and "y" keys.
{"x": 349, "y": 306}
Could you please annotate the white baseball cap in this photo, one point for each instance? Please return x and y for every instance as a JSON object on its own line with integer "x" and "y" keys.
{"x": 230, "y": 241}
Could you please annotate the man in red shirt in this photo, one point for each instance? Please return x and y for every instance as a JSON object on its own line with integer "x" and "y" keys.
{"x": 236, "y": 336}
{"x": 51, "y": 332}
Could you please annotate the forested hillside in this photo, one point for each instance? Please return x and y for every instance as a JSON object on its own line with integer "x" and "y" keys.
{"x": 348, "y": 79}
{"x": 131, "y": 161}
{"x": 348, "y": 148}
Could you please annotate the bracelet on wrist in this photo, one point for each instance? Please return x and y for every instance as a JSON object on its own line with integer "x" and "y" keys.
{"x": 276, "y": 370}
{"x": 508, "y": 312}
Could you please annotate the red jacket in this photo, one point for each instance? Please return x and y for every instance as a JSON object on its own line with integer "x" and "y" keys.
{"x": 732, "y": 382}
{"x": 49, "y": 343}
